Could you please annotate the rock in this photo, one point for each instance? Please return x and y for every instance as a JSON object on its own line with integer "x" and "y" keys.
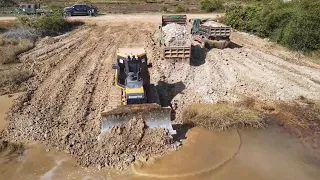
{"x": 176, "y": 35}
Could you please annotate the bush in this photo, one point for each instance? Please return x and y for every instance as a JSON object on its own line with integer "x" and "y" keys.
{"x": 293, "y": 24}
{"x": 164, "y": 9}
{"x": 180, "y": 8}
{"x": 56, "y": 7}
{"x": 211, "y": 5}
{"x": 21, "y": 34}
{"x": 47, "y": 25}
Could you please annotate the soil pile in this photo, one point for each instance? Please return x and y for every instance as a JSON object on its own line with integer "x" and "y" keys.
{"x": 176, "y": 35}
{"x": 122, "y": 145}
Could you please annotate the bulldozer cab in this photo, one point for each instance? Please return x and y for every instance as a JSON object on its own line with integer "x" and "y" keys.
{"x": 132, "y": 77}
{"x": 131, "y": 74}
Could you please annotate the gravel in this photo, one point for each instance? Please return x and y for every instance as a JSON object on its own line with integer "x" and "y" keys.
{"x": 176, "y": 35}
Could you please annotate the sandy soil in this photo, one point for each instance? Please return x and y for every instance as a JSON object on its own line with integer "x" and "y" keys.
{"x": 74, "y": 79}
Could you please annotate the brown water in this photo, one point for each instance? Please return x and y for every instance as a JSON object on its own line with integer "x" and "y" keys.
{"x": 5, "y": 104}
{"x": 250, "y": 155}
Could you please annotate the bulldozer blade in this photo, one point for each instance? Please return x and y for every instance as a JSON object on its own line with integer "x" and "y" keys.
{"x": 153, "y": 115}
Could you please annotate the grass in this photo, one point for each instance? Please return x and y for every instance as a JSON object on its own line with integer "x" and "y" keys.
{"x": 301, "y": 115}
{"x": 10, "y": 49}
{"x": 13, "y": 80}
{"x": 221, "y": 116}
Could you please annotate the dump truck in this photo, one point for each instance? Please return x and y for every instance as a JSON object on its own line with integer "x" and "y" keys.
{"x": 210, "y": 36}
{"x": 132, "y": 95}
{"x": 32, "y": 9}
{"x": 169, "y": 51}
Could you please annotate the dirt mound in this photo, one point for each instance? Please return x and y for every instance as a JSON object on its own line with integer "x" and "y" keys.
{"x": 176, "y": 35}
{"x": 121, "y": 145}
{"x": 74, "y": 77}
{"x": 70, "y": 89}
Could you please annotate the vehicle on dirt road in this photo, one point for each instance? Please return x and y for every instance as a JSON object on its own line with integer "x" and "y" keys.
{"x": 81, "y": 10}
{"x": 138, "y": 98}
{"x": 32, "y": 9}
{"x": 174, "y": 52}
{"x": 210, "y": 36}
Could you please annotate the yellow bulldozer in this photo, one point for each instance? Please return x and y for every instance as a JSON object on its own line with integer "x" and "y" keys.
{"x": 139, "y": 98}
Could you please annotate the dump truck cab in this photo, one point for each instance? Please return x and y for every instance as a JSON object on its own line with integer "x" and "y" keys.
{"x": 29, "y": 9}
{"x": 132, "y": 75}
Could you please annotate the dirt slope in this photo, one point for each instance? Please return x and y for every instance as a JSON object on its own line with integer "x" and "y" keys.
{"x": 74, "y": 77}
{"x": 63, "y": 105}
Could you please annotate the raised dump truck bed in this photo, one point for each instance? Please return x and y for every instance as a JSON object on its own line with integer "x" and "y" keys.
{"x": 174, "y": 51}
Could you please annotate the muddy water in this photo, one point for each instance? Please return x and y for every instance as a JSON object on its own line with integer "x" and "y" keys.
{"x": 263, "y": 154}
{"x": 199, "y": 154}
{"x": 5, "y": 104}
{"x": 251, "y": 154}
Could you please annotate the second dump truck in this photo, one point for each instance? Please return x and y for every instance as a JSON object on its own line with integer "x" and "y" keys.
{"x": 174, "y": 51}
{"x": 210, "y": 35}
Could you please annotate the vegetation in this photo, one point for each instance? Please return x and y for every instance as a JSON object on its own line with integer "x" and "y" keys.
{"x": 181, "y": 8}
{"x": 47, "y": 25}
{"x": 301, "y": 115}
{"x": 294, "y": 24}
{"x": 211, "y": 5}
{"x": 12, "y": 80}
{"x": 21, "y": 38}
{"x": 221, "y": 116}
{"x": 15, "y": 42}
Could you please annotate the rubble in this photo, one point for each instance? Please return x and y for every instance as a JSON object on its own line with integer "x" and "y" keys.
{"x": 176, "y": 35}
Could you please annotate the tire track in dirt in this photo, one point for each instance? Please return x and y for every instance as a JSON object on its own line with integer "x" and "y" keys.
{"x": 74, "y": 83}
{"x": 71, "y": 87}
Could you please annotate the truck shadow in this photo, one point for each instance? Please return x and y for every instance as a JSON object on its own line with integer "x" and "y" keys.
{"x": 198, "y": 55}
{"x": 167, "y": 92}
{"x": 234, "y": 45}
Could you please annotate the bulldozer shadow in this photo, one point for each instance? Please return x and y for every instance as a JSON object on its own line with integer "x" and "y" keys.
{"x": 182, "y": 130}
{"x": 167, "y": 92}
{"x": 198, "y": 55}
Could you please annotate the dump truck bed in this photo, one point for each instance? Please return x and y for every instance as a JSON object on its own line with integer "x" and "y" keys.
{"x": 215, "y": 32}
{"x": 174, "y": 52}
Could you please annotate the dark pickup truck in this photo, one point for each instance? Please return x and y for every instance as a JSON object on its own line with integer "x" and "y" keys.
{"x": 81, "y": 9}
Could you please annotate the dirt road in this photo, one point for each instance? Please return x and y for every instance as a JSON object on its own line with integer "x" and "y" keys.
{"x": 73, "y": 78}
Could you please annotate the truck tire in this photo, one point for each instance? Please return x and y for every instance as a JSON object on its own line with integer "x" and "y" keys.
{"x": 68, "y": 13}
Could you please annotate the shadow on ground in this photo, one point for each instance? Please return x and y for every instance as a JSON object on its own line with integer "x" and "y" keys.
{"x": 198, "y": 55}
{"x": 234, "y": 45}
